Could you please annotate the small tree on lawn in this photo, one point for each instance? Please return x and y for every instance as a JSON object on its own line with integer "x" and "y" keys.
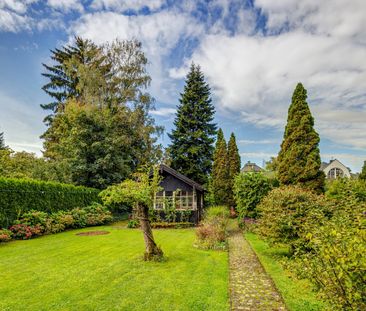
{"x": 299, "y": 157}
{"x": 363, "y": 172}
{"x": 138, "y": 192}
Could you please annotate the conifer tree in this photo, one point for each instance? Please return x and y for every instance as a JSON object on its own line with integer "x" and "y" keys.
{"x": 234, "y": 166}
{"x": 220, "y": 171}
{"x": 362, "y": 175}
{"x": 299, "y": 157}
{"x": 2, "y": 142}
{"x": 192, "y": 139}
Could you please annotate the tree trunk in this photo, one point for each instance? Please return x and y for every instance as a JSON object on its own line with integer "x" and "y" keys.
{"x": 152, "y": 251}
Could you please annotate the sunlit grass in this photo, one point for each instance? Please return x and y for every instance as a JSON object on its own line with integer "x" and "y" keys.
{"x": 69, "y": 272}
{"x": 297, "y": 294}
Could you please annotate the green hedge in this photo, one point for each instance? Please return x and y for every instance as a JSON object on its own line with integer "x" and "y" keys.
{"x": 18, "y": 196}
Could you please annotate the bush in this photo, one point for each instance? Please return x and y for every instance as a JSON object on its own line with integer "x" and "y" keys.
{"x": 24, "y": 232}
{"x": 19, "y": 196}
{"x": 34, "y": 218}
{"x": 212, "y": 233}
{"x": 249, "y": 190}
{"x": 133, "y": 223}
{"x": 345, "y": 188}
{"x": 287, "y": 211}
{"x": 337, "y": 263}
{"x": 5, "y": 235}
{"x": 36, "y": 223}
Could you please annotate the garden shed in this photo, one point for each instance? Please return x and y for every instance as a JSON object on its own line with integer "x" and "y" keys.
{"x": 180, "y": 194}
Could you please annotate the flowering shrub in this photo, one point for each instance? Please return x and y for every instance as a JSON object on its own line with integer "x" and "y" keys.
{"x": 212, "y": 233}
{"x": 36, "y": 223}
{"x": 5, "y": 235}
{"x": 24, "y": 232}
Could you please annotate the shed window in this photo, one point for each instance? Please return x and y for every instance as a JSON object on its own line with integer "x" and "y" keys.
{"x": 184, "y": 200}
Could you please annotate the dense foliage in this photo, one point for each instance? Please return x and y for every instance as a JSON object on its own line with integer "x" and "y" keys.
{"x": 28, "y": 165}
{"x": 286, "y": 211}
{"x": 100, "y": 126}
{"x": 220, "y": 171}
{"x": 298, "y": 161}
{"x": 191, "y": 148}
{"x": 327, "y": 236}
{"x": 19, "y": 196}
{"x": 234, "y": 164}
{"x": 362, "y": 175}
{"x": 211, "y": 234}
{"x": 249, "y": 190}
{"x": 35, "y": 223}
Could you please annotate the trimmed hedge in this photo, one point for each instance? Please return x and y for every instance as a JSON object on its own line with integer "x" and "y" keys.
{"x": 18, "y": 196}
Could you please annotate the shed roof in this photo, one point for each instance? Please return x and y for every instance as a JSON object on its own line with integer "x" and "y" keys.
{"x": 180, "y": 176}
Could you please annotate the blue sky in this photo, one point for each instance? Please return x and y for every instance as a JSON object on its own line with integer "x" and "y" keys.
{"x": 252, "y": 53}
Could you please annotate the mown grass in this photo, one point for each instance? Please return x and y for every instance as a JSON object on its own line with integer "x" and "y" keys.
{"x": 297, "y": 294}
{"x": 69, "y": 272}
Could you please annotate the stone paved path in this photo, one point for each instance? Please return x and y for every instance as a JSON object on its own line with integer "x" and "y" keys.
{"x": 250, "y": 287}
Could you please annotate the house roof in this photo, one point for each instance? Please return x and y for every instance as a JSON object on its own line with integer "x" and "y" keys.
{"x": 180, "y": 176}
{"x": 251, "y": 167}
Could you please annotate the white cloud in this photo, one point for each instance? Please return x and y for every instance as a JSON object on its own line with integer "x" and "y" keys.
{"x": 121, "y": 6}
{"x": 258, "y": 141}
{"x": 254, "y": 76}
{"x": 21, "y": 124}
{"x": 13, "y": 22}
{"x": 66, "y": 5}
{"x": 163, "y": 112}
{"x": 340, "y": 18}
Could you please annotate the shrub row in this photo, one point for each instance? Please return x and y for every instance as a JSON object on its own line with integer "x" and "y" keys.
{"x": 327, "y": 237}
{"x": 18, "y": 196}
{"x": 36, "y": 223}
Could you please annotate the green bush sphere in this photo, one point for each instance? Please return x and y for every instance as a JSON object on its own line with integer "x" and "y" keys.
{"x": 249, "y": 190}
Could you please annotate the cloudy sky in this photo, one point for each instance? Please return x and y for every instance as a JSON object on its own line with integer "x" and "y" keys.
{"x": 252, "y": 52}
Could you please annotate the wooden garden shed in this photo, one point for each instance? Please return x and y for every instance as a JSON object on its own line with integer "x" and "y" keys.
{"x": 180, "y": 193}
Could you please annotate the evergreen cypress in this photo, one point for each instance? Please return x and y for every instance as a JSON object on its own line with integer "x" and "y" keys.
{"x": 191, "y": 148}
{"x": 220, "y": 171}
{"x": 362, "y": 175}
{"x": 299, "y": 157}
{"x": 2, "y": 142}
{"x": 234, "y": 166}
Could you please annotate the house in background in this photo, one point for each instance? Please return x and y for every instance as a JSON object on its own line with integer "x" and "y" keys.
{"x": 335, "y": 169}
{"x": 180, "y": 193}
{"x": 251, "y": 167}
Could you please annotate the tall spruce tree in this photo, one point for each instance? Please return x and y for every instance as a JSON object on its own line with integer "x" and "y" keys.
{"x": 234, "y": 166}
{"x": 299, "y": 157}
{"x": 362, "y": 175}
{"x": 191, "y": 147}
{"x": 220, "y": 171}
{"x": 2, "y": 142}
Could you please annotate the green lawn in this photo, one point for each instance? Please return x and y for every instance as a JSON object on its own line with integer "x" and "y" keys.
{"x": 106, "y": 272}
{"x": 297, "y": 294}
